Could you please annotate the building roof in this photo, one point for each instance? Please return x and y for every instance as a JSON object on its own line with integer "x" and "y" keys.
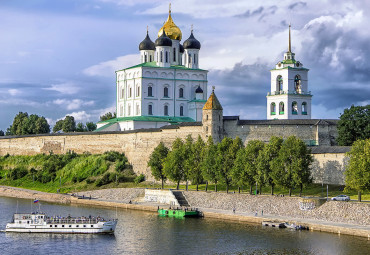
{"x": 212, "y": 102}
{"x": 170, "y": 119}
{"x": 286, "y": 122}
{"x": 330, "y": 149}
{"x": 163, "y": 40}
{"x": 172, "y": 30}
{"x": 153, "y": 64}
{"x": 191, "y": 42}
{"x": 147, "y": 44}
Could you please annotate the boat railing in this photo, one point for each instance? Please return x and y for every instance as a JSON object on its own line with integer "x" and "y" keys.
{"x": 73, "y": 221}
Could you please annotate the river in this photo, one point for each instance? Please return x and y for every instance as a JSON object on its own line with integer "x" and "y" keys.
{"x": 145, "y": 233}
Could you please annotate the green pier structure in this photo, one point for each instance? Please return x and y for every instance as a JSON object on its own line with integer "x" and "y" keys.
{"x": 179, "y": 213}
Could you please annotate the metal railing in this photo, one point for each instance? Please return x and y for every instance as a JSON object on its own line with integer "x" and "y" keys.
{"x": 288, "y": 92}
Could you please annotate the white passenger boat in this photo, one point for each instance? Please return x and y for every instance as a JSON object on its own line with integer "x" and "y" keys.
{"x": 41, "y": 223}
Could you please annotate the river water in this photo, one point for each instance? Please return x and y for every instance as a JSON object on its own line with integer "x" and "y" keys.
{"x": 146, "y": 233}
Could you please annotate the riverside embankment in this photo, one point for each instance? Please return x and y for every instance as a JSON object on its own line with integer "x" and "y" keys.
{"x": 350, "y": 218}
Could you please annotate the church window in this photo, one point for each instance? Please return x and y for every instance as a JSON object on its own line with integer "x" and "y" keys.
{"x": 150, "y": 109}
{"x": 279, "y": 83}
{"x": 166, "y": 110}
{"x": 189, "y": 58}
{"x": 166, "y": 57}
{"x": 294, "y": 108}
{"x": 129, "y": 110}
{"x": 121, "y": 110}
{"x": 150, "y": 57}
{"x": 138, "y": 91}
{"x": 281, "y": 108}
{"x": 181, "y": 92}
{"x": 165, "y": 92}
{"x": 161, "y": 56}
{"x": 174, "y": 54}
{"x": 304, "y": 108}
{"x": 137, "y": 109}
{"x": 297, "y": 84}
{"x": 122, "y": 92}
{"x": 146, "y": 58}
{"x": 207, "y": 117}
{"x": 181, "y": 110}
{"x": 130, "y": 92}
{"x": 150, "y": 91}
{"x": 195, "y": 58}
{"x": 273, "y": 108}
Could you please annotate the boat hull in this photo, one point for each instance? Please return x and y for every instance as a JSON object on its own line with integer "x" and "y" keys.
{"x": 178, "y": 213}
{"x": 98, "y": 228}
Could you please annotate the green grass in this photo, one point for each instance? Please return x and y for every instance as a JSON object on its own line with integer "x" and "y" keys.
{"x": 69, "y": 172}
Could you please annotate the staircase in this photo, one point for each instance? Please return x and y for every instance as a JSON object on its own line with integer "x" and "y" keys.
{"x": 181, "y": 198}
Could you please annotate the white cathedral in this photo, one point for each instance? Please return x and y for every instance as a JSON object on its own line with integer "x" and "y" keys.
{"x": 168, "y": 87}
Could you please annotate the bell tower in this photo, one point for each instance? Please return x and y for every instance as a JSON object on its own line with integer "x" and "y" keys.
{"x": 289, "y": 97}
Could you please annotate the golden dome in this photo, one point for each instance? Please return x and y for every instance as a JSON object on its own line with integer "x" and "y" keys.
{"x": 172, "y": 31}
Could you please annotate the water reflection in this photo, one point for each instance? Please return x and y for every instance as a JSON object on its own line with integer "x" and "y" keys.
{"x": 147, "y": 233}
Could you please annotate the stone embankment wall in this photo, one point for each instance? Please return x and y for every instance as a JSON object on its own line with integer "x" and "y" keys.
{"x": 138, "y": 145}
{"x": 335, "y": 211}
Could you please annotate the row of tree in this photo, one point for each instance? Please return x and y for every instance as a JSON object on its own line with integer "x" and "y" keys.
{"x": 280, "y": 162}
{"x": 24, "y": 124}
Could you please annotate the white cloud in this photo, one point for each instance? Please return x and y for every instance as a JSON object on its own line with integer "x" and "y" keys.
{"x": 108, "y": 68}
{"x": 73, "y": 104}
{"x": 81, "y": 116}
{"x": 14, "y": 92}
{"x": 67, "y": 88}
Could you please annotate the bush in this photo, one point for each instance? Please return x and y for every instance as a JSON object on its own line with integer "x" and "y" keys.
{"x": 139, "y": 179}
{"x": 107, "y": 178}
{"x": 89, "y": 180}
{"x": 120, "y": 166}
{"x": 17, "y": 173}
{"x": 113, "y": 156}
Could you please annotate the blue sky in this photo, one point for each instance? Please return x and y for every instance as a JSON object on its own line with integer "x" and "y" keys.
{"x": 58, "y": 58}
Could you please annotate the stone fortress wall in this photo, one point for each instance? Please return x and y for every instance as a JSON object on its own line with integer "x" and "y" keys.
{"x": 137, "y": 145}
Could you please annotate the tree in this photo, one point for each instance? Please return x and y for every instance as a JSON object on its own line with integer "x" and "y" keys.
{"x": 252, "y": 150}
{"x": 91, "y": 126}
{"x": 292, "y": 166}
{"x": 108, "y": 116}
{"x": 24, "y": 125}
{"x": 209, "y": 165}
{"x": 357, "y": 175}
{"x": 195, "y": 172}
{"x": 69, "y": 124}
{"x": 174, "y": 166}
{"x": 2, "y": 133}
{"x": 354, "y": 124}
{"x": 265, "y": 158}
{"x": 239, "y": 175}
{"x": 80, "y": 127}
{"x": 227, "y": 150}
{"x": 58, "y": 126}
{"x": 156, "y": 162}
{"x": 188, "y": 158}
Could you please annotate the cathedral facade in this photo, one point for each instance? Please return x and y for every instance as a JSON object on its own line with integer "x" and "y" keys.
{"x": 167, "y": 87}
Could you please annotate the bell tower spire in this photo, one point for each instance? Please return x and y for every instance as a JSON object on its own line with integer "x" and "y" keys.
{"x": 290, "y": 44}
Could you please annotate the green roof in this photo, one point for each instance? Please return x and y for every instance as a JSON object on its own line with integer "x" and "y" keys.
{"x": 289, "y": 61}
{"x": 153, "y": 64}
{"x": 289, "y": 67}
{"x": 104, "y": 127}
{"x": 198, "y": 100}
{"x": 170, "y": 119}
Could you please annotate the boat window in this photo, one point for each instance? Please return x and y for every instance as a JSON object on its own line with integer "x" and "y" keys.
{"x": 51, "y": 226}
{"x": 84, "y": 226}
{"x": 62, "y": 226}
{"x": 70, "y": 226}
{"x": 20, "y": 221}
{"x": 92, "y": 226}
{"x": 28, "y": 222}
{"x": 77, "y": 226}
{"x": 56, "y": 226}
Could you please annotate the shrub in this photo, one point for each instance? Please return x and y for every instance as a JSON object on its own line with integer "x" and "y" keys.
{"x": 113, "y": 156}
{"x": 139, "y": 179}
{"x": 17, "y": 173}
{"x": 120, "y": 166}
{"x": 107, "y": 178}
{"x": 89, "y": 180}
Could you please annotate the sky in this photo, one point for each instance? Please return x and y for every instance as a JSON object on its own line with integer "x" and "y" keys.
{"x": 59, "y": 57}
